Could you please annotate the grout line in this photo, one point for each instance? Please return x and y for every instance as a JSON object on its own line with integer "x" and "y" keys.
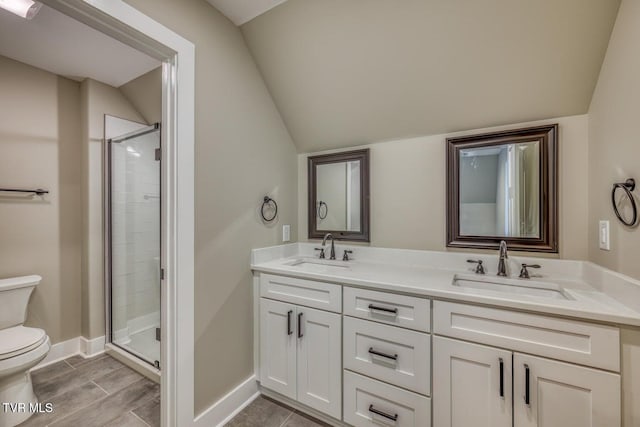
{"x": 287, "y": 419}
{"x": 134, "y": 414}
{"x": 96, "y": 384}
{"x": 69, "y": 364}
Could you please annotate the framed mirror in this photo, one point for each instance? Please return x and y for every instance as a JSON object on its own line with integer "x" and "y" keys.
{"x": 504, "y": 186}
{"x": 339, "y": 195}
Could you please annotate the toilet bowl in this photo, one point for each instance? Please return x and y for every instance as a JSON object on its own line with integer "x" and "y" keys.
{"x": 21, "y": 348}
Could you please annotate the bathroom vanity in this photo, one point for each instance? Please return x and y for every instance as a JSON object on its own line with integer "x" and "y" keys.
{"x": 416, "y": 338}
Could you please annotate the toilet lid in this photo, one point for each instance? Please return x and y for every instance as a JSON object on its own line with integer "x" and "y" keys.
{"x": 19, "y": 339}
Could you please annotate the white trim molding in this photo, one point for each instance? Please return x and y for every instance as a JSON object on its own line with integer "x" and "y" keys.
{"x": 221, "y": 412}
{"x": 121, "y": 21}
{"x": 65, "y": 349}
{"x": 92, "y": 347}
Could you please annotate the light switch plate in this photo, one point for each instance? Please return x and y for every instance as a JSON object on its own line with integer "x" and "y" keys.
{"x": 286, "y": 233}
{"x": 604, "y": 235}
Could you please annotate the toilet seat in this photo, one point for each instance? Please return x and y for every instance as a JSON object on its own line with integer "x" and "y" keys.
{"x": 18, "y": 340}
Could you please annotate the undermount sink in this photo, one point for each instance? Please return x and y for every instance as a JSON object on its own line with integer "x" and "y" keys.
{"x": 318, "y": 265}
{"x": 511, "y": 286}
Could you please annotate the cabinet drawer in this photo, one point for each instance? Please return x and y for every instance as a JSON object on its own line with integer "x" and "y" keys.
{"x": 397, "y": 356}
{"x": 573, "y": 341}
{"x": 371, "y": 403}
{"x": 399, "y": 310}
{"x": 309, "y": 293}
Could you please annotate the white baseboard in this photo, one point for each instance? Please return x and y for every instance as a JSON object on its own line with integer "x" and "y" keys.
{"x": 78, "y": 345}
{"x": 230, "y": 405}
{"x": 90, "y": 348}
{"x": 60, "y": 351}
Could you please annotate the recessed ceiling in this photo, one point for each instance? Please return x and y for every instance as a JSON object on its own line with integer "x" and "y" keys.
{"x": 61, "y": 45}
{"x": 344, "y": 73}
{"x": 243, "y": 11}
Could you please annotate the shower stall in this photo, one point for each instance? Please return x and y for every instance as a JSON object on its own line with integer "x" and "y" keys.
{"x": 132, "y": 209}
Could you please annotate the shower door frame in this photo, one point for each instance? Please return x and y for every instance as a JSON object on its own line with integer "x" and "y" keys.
{"x": 108, "y": 229}
{"x": 123, "y": 22}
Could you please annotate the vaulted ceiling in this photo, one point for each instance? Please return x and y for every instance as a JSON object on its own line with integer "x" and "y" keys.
{"x": 347, "y": 72}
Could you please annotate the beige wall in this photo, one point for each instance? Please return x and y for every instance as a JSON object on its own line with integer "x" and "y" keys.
{"x": 347, "y": 72}
{"x": 145, "y": 94}
{"x": 40, "y": 147}
{"x": 243, "y": 151}
{"x": 408, "y": 185}
{"x": 614, "y": 144}
{"x": 97, "y": 99}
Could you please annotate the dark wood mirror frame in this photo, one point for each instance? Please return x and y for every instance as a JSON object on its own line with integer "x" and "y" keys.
{"x": 548, "y": 239}
{"x": 345, "y": 156}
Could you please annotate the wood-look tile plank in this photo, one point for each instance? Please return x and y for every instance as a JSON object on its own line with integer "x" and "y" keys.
{"x": 59, "y": 385}
{"x": 50, "y": 372}
{"x": 99, "y": 367}
{"x": 78, "y": 360}
{"x": 66, "y": 403}
{"x": 112, "y": 406}
{"x": 262, "y": 412}
{"x": 118, "y": 379}
{"x": 150, "y": 412}
{"x": 298, "y": 419}
{"x": 127, "y": 420}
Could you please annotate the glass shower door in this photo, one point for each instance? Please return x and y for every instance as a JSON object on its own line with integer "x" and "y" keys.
{"x": 134, "y": 225}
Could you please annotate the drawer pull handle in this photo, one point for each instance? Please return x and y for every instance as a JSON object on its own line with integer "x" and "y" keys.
{"x": 526, "y": 384}
{"x": 501, "y": 377}
{"x": 289, "y": 331}
{"x": 383, "y": 414}
{"x": 300, "y": 334}
{"x": 393, "y": 311}
{"x": 377, "y": 353}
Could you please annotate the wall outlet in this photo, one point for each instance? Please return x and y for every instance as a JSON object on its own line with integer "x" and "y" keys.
{"x": 604, "y": 235}
{"x": 286, "y": 233}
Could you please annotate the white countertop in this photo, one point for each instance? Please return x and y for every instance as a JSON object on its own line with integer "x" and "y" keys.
{"x": 430, "y": 274}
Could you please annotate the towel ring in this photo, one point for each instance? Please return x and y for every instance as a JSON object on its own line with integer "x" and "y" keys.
{"x": 628, "y": 186}
{"x": 326, "y": 210}
{"x": 269, "y": 202}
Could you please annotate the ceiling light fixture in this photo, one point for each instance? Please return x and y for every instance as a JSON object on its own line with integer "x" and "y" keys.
{"x": 24, "y": 8}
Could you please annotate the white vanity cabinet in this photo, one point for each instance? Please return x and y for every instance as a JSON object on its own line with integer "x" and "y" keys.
{"x": 301, "y": 347}
{"x": 472, "y": 385}
{"x": 387, "y": 359}
{"x": 472, "y": 382}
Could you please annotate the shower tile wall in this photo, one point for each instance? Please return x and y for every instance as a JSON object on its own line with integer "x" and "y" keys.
{"x": 135, "y": 234}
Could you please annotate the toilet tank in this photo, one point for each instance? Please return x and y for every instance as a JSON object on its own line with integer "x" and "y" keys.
{"x": 14, "y": 297}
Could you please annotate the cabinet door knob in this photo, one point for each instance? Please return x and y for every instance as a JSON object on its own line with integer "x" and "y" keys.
{"x": 289, "y": 330}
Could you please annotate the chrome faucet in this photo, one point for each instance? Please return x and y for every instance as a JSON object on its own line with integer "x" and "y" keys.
{"x": 502, "y": 265}
{"x": 333, "y": 248}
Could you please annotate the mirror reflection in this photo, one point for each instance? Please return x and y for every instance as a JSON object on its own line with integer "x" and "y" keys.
{"x": 500, "y": 190}
{"x": 338, "y": 196}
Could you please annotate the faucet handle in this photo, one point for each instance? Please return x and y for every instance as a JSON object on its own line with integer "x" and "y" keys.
{"x": 479, "y": 268}
{"x": 345, "y": 257}
{"x": 321, "y": 252}
{"x": 524, "y": 273}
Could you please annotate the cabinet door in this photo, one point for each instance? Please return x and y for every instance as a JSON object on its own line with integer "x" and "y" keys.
{"x": 471, "y": 385}
{"x": 319, "y": 360}
{"x": 278, "y": 347}
{"x": 548, "y": 393}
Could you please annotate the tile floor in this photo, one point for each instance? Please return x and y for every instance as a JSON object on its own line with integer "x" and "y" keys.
{"x": 264, "y": 412}
{"x": 96, "y": 392}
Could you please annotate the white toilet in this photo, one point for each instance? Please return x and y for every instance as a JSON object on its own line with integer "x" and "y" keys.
{"x": 21, "y": 348}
